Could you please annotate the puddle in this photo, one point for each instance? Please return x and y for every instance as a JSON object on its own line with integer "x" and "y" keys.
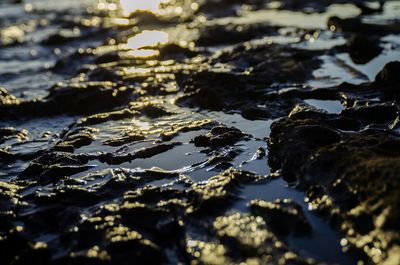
{"x": 331, "y": 106}
{"x": 322, "y": 236}
{"x": 334, "y": 72}
{"x": 372, "y": 68}
{"x": 291, "y": 18}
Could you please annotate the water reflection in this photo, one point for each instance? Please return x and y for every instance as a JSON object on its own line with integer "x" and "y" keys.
{"x": 147, "y": 39}
{"x": 143, "y": 53}
{"x": 131, "y": 6}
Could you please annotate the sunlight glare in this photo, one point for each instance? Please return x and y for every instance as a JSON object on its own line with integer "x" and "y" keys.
{"x": 131, "y": 6}
{"x": 147, "y": 38}
{"x": 143, "y": 53}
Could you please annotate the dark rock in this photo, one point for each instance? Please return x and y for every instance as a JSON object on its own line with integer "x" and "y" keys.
{"x": 75, "y": 98}
{"x": 285, "y": 217}
{"x": 363, "y": 49}
{"x": 372, "y": 114}
{"x": 289, "y": 152}
{"x": 106, "y": 116}
{"x": 220, "y": 136}
{"x": 356, "y": 25}
{"x": 357, "y": 173}
{"x": 174, "y": 51}
{"x": 389, "y": 75}
{"x": 77, "y": 138}
{"x": 218, "y": 192}
{"x": 229, "y": 34}
{"x": 116, "y": 159}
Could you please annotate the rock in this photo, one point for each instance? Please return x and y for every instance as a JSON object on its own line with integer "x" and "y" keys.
{"x": 150, "y": 109}
{"x": 285, "y": 217}
{"x": 6, "y": 98}
{"x": 363, "y": 49}
{"x": 292, "y": 143}
{"x": 218, "y": 192}
{"x": 232, "y": 33}
{"x": 356, "y": 172}
{"x": 251, "y": 66}
{"x": 106, "y": 116}
{"x": 76, "y": 98}
{"x": 77, "y": 138}
{"x": 174, "y": 51}
{"x": 220, "y": 136}
{"x": 146, "y": 152}
{"x": 389, "y": 75}
{"x": 85, "y": 98}
{"x": 380, "y": 113}
{"x": 53, "y": 166}
{"x": 356, "y": 25}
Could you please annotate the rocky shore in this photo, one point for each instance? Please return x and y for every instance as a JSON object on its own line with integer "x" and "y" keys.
{"x": 199, "y": 132}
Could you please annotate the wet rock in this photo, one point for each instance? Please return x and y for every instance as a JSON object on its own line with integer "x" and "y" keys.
{"x": 8, "y": 197}
{"x": 221, "y": 8}
{"x": 174, "y": 51}
{"x": 308, "y": 5}
{"x": 246, "y": 238}
{"x": 299, "y": 92}
{"x": 372, "y": 114}
{"x": 251, "y": 112}
{"x": 229, "y": 34}
{"x": 271, "y": 63}
{"x": 250, "y": 239}
{"x": 260, "y": 153}
{"x": 6, "y": 156}
{"x": 108, "y": 58}
{"x": 201, "y": 94}
{"x": 52, "y": 166}
{"x": 102, "y": 74}
{"x": 154, "y": 195}
{"x": 76, "y": 139}
{"x": 396, "y": 124}
{"x": 357, "y": 175}
{"x": 285, "y": 217}
{"x": 253, "y": 69}
{"x": 77, "y": 98}
{"x": 150, "y": 109}
{"x": 69, "y": 196}
{"x": 37, "y": 253}
{"x": 130, "y": 137}
{"x": 358, "y": 26}
{"x": 363, "y": 49}
{"x": 8, "y": 133}
{"x": 289, "y": 154}
{"x": 220, "y": 136}
{"x": 106, "y": 116}
{"x": 85, "y": 98}
{"x": 13, "y": 244}
{"x": 152, "y": 218}
{"x": 6, "y": 98}
{"x": 389, "y": 74}
{"x": 116, "y": 159}
{"x": 182, "y": 127}
{"x": 218, "y": 192}
{"x": 60, "y": 38}
{"x": 123, "y": 240}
